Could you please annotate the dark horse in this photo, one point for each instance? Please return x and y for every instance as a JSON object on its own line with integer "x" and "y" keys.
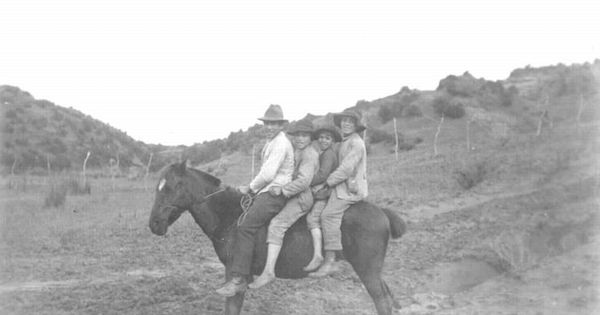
{"x": 365, "y": 231}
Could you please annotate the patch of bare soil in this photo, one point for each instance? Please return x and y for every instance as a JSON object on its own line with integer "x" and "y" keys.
{"x": 528, "y": 252}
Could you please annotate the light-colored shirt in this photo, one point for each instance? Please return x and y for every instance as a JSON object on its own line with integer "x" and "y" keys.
{"x": 277, "y": 166}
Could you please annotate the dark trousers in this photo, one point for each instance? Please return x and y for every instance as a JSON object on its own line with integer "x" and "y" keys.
{"x": 262, "y": 210}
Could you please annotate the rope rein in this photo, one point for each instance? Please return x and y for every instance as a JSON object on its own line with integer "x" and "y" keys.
{"x": 245, "y": 204}
{"x": 211, "y": 194}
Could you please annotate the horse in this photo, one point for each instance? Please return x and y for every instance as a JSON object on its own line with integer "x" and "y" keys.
{"x": 365, "y": 228}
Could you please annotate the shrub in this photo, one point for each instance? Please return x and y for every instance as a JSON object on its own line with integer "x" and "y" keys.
{"x": 471, "y": 175}
{"x": 377, "y": 135}
{"x": 362, "y": 104}
{"x": 406, "y": 146}
{"x": 76, "y": 187}
{"x": 443, "y": 106}
{"x": 464, "y": 86}
{"x": 412, "y": 111}
{"x": 56, "y": 196}
{"x": 385, "y": 114}
{"x": 11, "y": 113}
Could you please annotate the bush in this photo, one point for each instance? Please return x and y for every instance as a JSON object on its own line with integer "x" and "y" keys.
{"x": 75, "y": 187}
{"x": 385, "y": 114}
{"x": 443, "y": 106}
{"x": 412, "y": 111}
{"x": 406, "y": 146}
{"x": 362, "y": 104}
{"x": 377, "y": 135}
{"x": 471, "y": 175}
{"x": 56, "y": 196}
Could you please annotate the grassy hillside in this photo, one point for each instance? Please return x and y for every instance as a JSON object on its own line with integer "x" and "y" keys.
{"x": 37, "y": 133}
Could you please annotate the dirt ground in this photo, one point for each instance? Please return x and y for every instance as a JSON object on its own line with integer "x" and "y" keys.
{"x": 524, "y": 241}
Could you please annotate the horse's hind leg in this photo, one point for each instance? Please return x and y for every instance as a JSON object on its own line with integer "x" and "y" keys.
{"x": 378, "y": 291}
{"x": 366, "y": 254}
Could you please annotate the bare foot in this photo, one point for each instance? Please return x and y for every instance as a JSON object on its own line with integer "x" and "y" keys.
{"x": 316, "y": 261}
{"x": 326, "y": 269}
{"x": 262, "y": 280}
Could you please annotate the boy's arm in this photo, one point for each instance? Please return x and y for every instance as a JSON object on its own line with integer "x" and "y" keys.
{"x": 306, "y": 171}
{"x": 325, "y": 168}
{"x": 347, "y": 165}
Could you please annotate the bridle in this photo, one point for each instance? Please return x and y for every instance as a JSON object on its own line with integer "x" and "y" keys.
{"x": 204, "y": 199}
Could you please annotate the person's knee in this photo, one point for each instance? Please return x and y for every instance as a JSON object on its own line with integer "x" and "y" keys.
{"x": 275, "y": 234}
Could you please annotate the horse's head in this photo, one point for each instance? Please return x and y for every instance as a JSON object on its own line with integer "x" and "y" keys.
{"x": 177, "y": 190}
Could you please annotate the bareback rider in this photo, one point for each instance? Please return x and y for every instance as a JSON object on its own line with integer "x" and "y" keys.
{"x": 306, "y": 161}
{"x": 349, "y": 183}
{"x": 276, "y": 171}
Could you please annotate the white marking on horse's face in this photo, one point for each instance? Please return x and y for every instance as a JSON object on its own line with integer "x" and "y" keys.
{"x": 161, "y": 184}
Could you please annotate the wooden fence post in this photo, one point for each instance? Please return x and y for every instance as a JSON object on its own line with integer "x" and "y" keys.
{"x": 437, "y": 133}
{"x": 396, "y": 136}
{"x": 580, "y": 110}
{"x": 468, "y": 135}
{"x": 253, "y": 154}
{"x": 12, "y": 169}
{"x": 540, "y": 123}
{"x": 84, "y": 165}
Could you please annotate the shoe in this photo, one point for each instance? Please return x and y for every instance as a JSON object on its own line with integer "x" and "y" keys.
{"x": 262, "y": 280}
{"x": 233, "y": 287}
{"x": 326, "y": 269}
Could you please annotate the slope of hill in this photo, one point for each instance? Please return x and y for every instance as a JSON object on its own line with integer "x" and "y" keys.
{"x": 37, "y": 133}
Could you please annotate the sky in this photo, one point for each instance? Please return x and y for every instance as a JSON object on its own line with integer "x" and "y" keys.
{"x": 183, "y": 72}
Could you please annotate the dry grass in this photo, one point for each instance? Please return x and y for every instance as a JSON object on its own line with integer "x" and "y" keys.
{"x": 101, "y": 239}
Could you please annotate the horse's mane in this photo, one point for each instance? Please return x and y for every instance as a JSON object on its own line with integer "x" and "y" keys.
{"x": 181, "y": 169}
{"x": 206, "y": 176}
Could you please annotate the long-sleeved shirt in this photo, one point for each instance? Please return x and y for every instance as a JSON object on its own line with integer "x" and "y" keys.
{"x": 328, "y": 162}
{"x": 277, "y": 166}
{"x": 350, "y": 178}
{"x": 306, "y": 165}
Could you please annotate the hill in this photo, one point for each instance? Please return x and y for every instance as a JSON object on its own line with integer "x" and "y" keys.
{"x": 39, "y": 134}
{"x": 36, "y": 133}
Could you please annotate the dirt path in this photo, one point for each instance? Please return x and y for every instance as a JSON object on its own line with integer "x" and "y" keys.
{"x": 44, "y": 285}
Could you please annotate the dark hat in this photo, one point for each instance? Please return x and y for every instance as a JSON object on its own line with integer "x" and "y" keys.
{"x": 273, "y": 113}
{"x": 329, "y": 127}
{"x": 337, "y": 118}
{"x": 303, "y": 125}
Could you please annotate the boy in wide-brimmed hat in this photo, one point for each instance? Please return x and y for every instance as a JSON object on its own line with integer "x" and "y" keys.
{"x": 306, "y": 161}
{"x": 275, "y": 172}
{"x": 325, "y": 133}
{"x": 348, "y": 183}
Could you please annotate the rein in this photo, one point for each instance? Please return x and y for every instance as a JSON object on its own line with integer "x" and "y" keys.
{"x": 245, "y": 204}
{"x": 205, "y": 199}
{"x": 212, "y": 194}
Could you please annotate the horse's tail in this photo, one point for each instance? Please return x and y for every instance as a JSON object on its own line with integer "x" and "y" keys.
{"x": 397, "y": 225}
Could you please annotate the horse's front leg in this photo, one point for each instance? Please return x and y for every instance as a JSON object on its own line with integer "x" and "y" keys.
{"x": 233, "y": 305}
